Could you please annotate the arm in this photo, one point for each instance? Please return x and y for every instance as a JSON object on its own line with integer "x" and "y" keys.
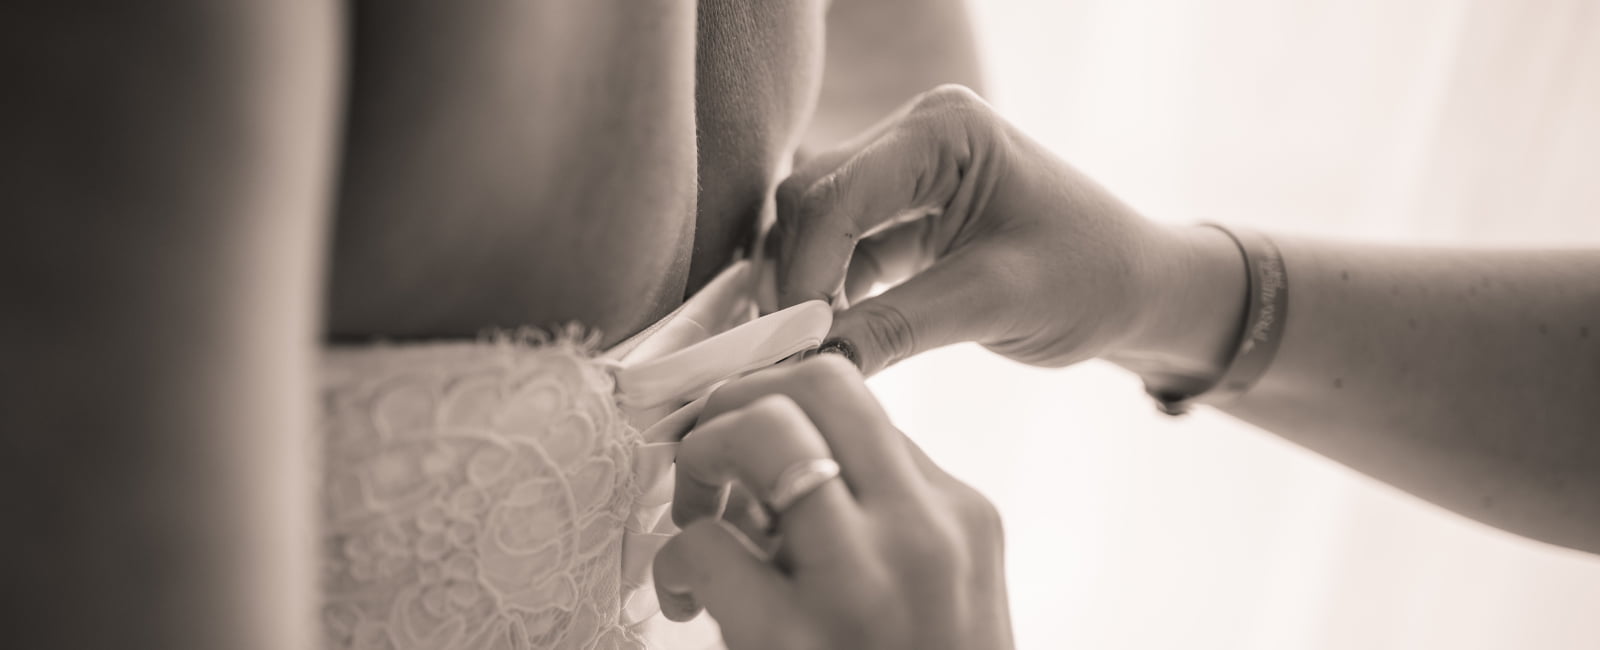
{"x": 165, "y": 170}
{"x": 881, "y": 53}
{"x": 1470, "y": 378}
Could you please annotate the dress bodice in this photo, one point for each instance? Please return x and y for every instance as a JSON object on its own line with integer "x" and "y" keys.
{"x": 509, "y": 493}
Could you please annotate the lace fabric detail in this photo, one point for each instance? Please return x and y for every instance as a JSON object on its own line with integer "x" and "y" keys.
{"x": 475, "y": 496}
{"x": 506, "y": 495}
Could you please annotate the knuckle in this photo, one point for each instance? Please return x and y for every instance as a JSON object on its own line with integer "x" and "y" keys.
{"x": 888, "y": 330}
{"x": 755, "y": 402}
{"x": 711, "y": 453}
{"x": 725, "y": 400}
{"x": 739, "y": 408}
{"x": 980, "y": 517}
{"x": 949, "y": 96}
{"x": 956, "y": 109}
{"x": 789, "y": 201}
{"x": 822, "y": 374}
{"x": 769, "y": 413}
{"x": 803, "y": 204}
{"x": 819, "y": 196}
{"x": 700, "y": 455}
{"x": 790, "y": 192}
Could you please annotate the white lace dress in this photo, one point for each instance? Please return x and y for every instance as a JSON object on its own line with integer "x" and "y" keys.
{"x": 509, "y": 493}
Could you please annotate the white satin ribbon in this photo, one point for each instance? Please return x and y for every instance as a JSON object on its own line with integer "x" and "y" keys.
{"x": 664, "y": 375}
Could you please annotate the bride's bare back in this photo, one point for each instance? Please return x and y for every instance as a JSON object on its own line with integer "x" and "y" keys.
{"x": 518, "y": 163}
{"x": 536, "y": 163}
{"x": 174, "y": 170}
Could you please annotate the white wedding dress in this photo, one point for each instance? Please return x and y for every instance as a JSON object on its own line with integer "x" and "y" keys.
{"x": 509, "y": 493}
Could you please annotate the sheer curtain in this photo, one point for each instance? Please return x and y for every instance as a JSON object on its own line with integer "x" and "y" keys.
{"x": 1446, "y": 121}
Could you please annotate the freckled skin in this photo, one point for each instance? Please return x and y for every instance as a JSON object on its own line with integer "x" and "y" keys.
{"x": 1482, "y": 411}
{"x": 1454, "y": 388}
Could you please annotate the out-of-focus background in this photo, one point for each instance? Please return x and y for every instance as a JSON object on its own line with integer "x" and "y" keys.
{"x": 1440, "y": 121}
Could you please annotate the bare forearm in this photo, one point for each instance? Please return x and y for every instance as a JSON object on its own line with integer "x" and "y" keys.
{"x": 1467, "y": 377}
{"x": 1471, "y": 378}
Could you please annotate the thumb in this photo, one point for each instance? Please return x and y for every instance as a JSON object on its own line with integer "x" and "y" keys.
{"x": 960, "y": 298}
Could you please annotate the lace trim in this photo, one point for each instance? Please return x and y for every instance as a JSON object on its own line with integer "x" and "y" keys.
{"x": 475, "y": 497}
{"x": 501, "y": 495}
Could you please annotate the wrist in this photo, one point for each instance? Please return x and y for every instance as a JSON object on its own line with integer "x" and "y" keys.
{"x": 1194, "y": 305}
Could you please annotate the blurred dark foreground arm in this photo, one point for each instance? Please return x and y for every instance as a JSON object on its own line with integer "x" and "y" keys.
{"x": 166, "y": 172}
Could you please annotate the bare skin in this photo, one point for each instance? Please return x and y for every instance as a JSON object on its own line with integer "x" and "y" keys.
{"x": 481, "y": 165}
{"x": 1464, "y": 376}
{"x": 176, "y": 170}
{"x": 168, "y": 200}
{"x": 892, "y": 554}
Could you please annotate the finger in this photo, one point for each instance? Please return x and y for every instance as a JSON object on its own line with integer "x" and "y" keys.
{"x": 888, "y": 258}
{"x": 745, "y": 512}
{"x": 812, "y": 168}
{"x": 755, "y": 445}
{"x": 952, "y": 301}
{"x": 752, "y": 445}
{"x": 902, "y": 171}
{"x": 920, "y": 162}
{"x": 834, "y": 399}
{"x": 709, "y": 565}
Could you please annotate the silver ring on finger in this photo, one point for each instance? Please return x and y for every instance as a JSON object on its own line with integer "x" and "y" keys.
{"x": 798, "y": 481}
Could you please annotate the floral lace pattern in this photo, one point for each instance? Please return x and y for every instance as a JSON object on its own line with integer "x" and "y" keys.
{"x": 475, "y": 496}
{"x": 506, "y": 495}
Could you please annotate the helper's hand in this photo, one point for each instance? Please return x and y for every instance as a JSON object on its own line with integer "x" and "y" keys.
{"x": 992, "y": 238}
{"x": 892, "y": 553}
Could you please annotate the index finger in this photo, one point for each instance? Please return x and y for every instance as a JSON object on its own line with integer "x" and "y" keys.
{"x": 833, "y": 395}
{"x": 819, "y": 223}
{"x": 908, "y": 165}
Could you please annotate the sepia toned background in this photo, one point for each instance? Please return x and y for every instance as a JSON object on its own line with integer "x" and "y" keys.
{"x": 1442, "y": 121}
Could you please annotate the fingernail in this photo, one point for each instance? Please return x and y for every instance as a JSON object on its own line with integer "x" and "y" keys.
{"x": 841, "y": 347}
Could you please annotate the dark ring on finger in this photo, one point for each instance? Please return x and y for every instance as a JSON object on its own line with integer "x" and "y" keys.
{"x": 841, "y": 347}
